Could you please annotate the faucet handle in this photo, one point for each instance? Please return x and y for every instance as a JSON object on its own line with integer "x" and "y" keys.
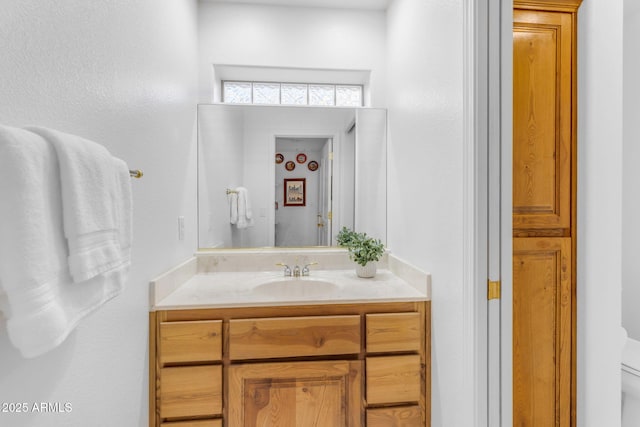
{"x": 287, "y": 269}
{"x": 305, "y": 269}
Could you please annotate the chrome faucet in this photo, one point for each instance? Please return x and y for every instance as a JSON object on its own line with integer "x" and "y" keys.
{"x": 287, "y": 269}
{"x": 296, "y": 271}
{"x": 305, "y": 269}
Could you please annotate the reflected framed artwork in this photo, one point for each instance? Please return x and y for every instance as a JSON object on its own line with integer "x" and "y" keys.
{"x": 295, "y": 191}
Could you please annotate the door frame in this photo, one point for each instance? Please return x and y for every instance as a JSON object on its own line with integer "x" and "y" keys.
{"x": 326, "y": 191}
{"x": 487, "y": 226}
{"x": 505, "y": 151}
{"x": 310, "y": 134}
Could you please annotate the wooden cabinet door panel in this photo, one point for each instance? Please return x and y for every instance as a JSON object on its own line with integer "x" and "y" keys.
{"x": 541, "y": 331}
{"x": 296, "y": 394}
{"x": 542, "y": 120}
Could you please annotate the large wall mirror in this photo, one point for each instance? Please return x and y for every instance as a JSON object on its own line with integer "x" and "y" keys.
{"x": 289, "y": 176}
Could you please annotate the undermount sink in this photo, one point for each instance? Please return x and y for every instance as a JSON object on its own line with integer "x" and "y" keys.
{"x": 294, "y": 287}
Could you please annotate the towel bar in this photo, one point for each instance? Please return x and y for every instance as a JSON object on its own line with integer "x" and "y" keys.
{"x": 136, "y": 173}
{"x": 231, "y": 192}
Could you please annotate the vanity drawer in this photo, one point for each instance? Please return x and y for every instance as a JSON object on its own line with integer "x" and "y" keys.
{"x": 198, "y": 423}
{"x": 403, "y": 416}
{"x": 393, "y": 379}
{"x": 190, "y": 391}
{"x": 193, "y": 341}
{"x": 390, "y": 332}
{"x": 293, "y": 337}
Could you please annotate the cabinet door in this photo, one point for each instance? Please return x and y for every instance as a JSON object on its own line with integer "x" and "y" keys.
{"x": 542, "y": 121}
{"x": 541, "y": 332}
{"x": 295, "y": 394}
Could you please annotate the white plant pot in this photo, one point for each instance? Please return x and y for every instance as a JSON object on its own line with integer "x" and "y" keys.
{"x": 368, "y": 271}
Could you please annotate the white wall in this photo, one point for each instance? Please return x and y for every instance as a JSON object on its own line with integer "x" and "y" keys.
{"x": 274, "y": 36}
{"x": 631, "y": 171}
{"x": 221, "y": 167}
{"x": 371, "y": 173}
{"x": 425, "y": 72}
{"x": 600, "y": 42}
{"x": 123, "y": 73}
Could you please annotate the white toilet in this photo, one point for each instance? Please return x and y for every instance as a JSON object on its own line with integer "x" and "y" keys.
{"x": 631, "y": 383}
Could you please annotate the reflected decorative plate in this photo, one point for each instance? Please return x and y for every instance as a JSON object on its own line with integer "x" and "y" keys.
{"x": 301, "y": 158}
{"x": 279, "y": 158}
{"x": 313, "y": 165}
{"x": 290, "y": 165}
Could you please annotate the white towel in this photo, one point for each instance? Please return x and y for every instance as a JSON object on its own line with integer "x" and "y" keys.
{"x": 245, "y": 215}
{"x": 233, "y": 208}
{"x": 42, "y": 303}
{"x": 96, "y": 197}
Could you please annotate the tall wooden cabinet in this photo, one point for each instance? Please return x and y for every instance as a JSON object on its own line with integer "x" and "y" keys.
{"x": 544, "y": 212}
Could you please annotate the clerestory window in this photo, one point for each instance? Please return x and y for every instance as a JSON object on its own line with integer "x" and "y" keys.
{"x": 280, "y": 93}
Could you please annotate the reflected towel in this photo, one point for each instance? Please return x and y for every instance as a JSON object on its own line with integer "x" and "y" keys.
{"x": 233, "y": 208}
{"x": 245, "y": 215}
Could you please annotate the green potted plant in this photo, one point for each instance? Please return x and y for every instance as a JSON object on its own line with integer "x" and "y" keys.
{"x": 365, "y": 251}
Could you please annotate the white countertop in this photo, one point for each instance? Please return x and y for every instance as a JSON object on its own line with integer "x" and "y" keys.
{"x": 248, "y": 279}
{"x": 242, "y": 289}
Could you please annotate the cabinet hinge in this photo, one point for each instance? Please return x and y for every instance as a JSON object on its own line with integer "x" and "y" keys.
{"x": 331, "y": 155}
{"x": 493, "y": 291}
{"x": 330, "y": 215}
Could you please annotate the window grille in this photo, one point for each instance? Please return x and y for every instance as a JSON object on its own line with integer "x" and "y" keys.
{"x": 276, "y": 93}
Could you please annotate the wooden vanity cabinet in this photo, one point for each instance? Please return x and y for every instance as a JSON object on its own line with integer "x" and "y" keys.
{"x": 350, "y": 365}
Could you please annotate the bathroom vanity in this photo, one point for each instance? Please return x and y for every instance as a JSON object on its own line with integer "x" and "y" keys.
{"x": 234, "y": 343}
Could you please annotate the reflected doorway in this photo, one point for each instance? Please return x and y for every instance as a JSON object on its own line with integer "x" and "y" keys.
{"x": 303, "y": 214}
